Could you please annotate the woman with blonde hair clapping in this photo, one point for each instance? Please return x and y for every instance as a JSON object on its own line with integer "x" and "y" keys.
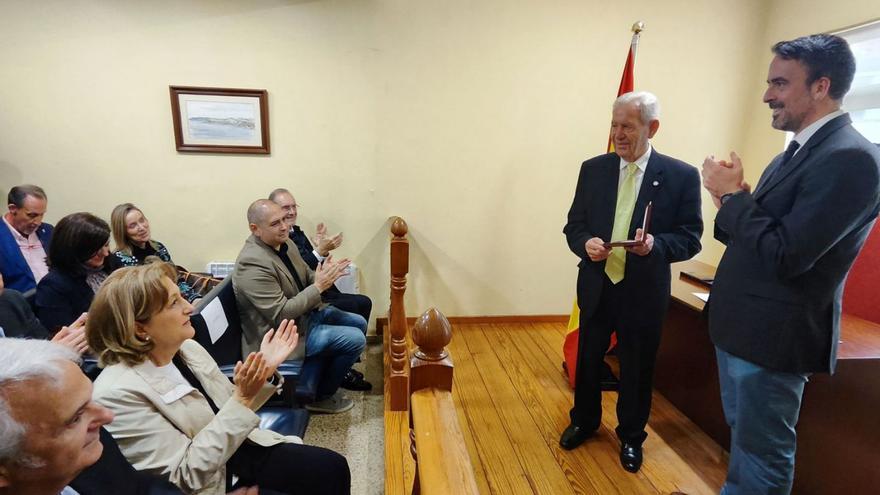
{"x": 176, "y": 414}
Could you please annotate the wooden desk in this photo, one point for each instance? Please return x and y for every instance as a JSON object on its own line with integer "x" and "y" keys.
{"x": 839, "y": 429}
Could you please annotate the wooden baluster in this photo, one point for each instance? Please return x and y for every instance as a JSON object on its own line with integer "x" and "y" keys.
{"x": 398, "y": 381}
{"x": 430, "y": 365}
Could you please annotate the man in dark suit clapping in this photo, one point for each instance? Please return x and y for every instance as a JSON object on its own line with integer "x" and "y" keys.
{"x": 627, "y": 289}
{"x": 774, "y": 312}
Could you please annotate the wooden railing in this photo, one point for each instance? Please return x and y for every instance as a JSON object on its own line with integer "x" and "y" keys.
{"x": 398, "y": 379}
{"x": 425, "y": 452}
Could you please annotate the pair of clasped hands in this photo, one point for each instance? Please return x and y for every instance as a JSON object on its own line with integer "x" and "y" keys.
{"x": 328, "y": 271}
{"x": 721, "y": 177}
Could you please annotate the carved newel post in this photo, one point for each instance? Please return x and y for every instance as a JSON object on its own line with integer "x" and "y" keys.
{"x": 397, "y": 376}
{"x": 430, "y": 365}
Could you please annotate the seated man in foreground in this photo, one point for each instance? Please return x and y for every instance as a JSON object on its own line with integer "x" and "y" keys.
{"x": 51, "y": 440}
{"x": 312, "y": 255}
{"x": 273, "y": 283}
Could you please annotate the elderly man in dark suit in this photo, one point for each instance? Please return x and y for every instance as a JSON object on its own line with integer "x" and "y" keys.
{"x": 627, "y": 289}
{"x": 774, "y": 312}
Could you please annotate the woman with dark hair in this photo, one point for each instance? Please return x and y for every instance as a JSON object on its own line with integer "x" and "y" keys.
{"x": 135, "y": 243}
{"x": 77, "y": 268}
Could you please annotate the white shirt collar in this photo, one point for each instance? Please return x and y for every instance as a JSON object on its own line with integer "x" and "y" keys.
{"x": 641, "y": 162}
{"x": 808, "y": 132}
{"x": 17, "y": 234}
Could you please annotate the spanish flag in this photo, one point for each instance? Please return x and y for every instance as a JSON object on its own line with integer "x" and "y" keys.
{"x": 570, "y": 346}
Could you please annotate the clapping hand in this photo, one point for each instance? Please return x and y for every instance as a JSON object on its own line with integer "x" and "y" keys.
{"x": 721, "y": 177}
{"x": 324, "y": 243}
{"x": 249, "y": 378}
{"x": 277, "y": 345}
{"x": 74, "y": 335}
{"x": 329, "y": 271}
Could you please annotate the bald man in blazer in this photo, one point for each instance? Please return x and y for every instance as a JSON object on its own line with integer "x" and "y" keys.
{"x": 633, "y": 299}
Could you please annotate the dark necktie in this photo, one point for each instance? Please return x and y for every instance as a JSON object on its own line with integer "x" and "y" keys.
{"x": 789, "y": 152}
{"x": 786, "y": 157}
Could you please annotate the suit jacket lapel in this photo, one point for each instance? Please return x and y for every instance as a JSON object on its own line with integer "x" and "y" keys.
{"x": 803, "y": 154}
{"x": 275, "y": 260}
{"x": 651, "y": 182}
{"x": 606, "y": 206}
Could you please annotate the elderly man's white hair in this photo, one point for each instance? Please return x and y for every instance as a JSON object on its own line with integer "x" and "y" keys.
{"x": 23, "y": 360}
{"x": 646, "y": 102}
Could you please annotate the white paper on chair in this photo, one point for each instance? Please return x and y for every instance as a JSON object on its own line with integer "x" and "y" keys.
{"x": 704, "y": 296}
{"x": 215, "y": 319}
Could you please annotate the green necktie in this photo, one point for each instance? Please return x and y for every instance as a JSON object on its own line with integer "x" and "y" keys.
{"x": 626, "y": 201}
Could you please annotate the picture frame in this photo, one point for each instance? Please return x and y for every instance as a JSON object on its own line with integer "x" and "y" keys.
{"x": 220, "y": 120}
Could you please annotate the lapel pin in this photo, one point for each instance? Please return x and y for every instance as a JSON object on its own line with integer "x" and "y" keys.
{"x": 655, "y": 183}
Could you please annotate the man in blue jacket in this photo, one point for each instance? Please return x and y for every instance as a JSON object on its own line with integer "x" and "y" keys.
{"x": 24, "y": 238}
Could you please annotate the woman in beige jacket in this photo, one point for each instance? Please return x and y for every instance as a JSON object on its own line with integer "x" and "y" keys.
{"x": 176, "y": 415}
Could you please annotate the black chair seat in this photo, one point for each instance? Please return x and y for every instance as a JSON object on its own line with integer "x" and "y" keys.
{"x": 284, "y": 420}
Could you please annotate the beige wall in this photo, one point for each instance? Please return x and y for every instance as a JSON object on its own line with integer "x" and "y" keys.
{"x": 469, "y": 119}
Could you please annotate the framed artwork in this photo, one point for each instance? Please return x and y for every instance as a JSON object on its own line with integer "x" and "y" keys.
{"x": 220, "y": 120}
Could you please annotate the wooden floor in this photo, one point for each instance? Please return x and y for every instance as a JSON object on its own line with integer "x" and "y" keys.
{"x": 513, "y": 401}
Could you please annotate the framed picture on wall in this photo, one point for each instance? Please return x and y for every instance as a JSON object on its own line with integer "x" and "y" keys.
{"x": 220, "y": 120}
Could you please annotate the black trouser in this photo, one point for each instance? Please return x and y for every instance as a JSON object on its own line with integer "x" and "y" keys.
{"x": 290, "y": 468}
{"x": 353, "y": 303}
{"x": 637, "y": 345}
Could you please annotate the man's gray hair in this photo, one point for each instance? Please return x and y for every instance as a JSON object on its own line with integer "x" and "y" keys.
{"x": 22, "y": 360}
{"x": 274, "y": 194}
{"x": 646, "y": 102}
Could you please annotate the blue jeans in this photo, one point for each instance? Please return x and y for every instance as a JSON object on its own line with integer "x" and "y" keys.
{"x": 335, "y": 341}
{"x": 761, "y": 407}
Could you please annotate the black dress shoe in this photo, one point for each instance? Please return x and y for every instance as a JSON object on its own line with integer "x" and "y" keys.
{"x": 352, "y": 382}
{"x": 574, "y": 436}
{"x": 631, "y": 456}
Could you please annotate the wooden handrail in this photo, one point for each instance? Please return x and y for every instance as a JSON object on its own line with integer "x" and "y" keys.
{"x": 398, "y": 380}
{"x": 442, "y": 460}
{"x": 444, "y": 466}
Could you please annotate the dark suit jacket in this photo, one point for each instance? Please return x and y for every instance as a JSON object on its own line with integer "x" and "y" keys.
{"x": 304, "y": 245}
{"x": 676, "y": 225}
{"x": 16, "y": 272}
{"x": 113, "y": 474}
{"x": 17, "y": 318}
{"x": 777, "y": 294}
{"x": 61, "y": 298}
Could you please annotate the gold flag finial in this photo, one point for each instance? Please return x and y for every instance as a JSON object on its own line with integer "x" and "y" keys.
{"x": 638, "y": 27}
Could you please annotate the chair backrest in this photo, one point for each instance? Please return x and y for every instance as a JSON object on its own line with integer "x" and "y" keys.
{"x": 218, "y": 325}
{"x": 860, "y": 293}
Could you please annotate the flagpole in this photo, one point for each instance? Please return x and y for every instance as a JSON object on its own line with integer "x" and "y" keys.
{"x": 637, "y": 29}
